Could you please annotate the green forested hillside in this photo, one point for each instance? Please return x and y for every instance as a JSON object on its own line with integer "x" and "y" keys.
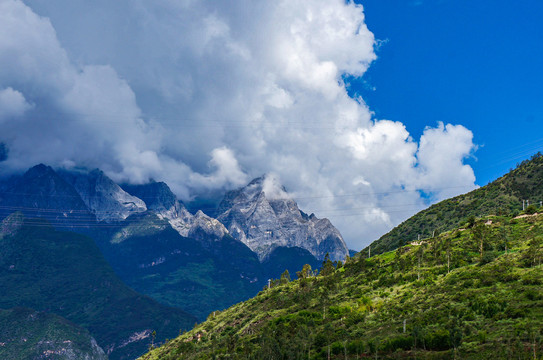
{"x": 26, "y": 334}
{"x": 473, "y": 293}
{"x": 503, "y": 196}
{"x": 65, "y": 274}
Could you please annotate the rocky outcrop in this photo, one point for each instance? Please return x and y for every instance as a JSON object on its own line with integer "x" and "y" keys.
{"x": 162, "y": 201}
{"x": 263, "y": 217}
{"x": 107, "y": 200}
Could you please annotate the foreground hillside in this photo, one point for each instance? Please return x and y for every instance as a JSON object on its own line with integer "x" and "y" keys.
{"x": 470, "y": 293}
{"x": 502, "y": 196}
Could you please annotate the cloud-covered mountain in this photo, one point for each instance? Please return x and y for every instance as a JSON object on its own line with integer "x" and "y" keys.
{"x": 103, "y": 197}
{"x": 133, "y": 90}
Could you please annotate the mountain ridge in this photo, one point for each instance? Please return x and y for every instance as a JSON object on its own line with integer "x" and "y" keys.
{"x": 504, "y": 195}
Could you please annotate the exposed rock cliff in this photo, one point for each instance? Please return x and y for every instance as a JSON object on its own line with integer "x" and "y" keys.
{"x": 103, "y": 197}
{"x": 263, "y": 216}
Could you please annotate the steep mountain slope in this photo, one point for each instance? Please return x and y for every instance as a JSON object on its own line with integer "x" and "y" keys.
{"x": 26, "y": 334}
{"x": 153, "y": 258}
{"x": 263, "y": 216}
{"x": 502, "y": 196}
{"x": 469, "y": 294}
{"x": 65, "y": 273}
{"x": 163, "y": 202}
{"x": 103, "y": 197}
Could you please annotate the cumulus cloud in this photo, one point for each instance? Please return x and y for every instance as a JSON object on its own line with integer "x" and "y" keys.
{"x": 12, "y": 104}
{"x": 226, "y": 172}
{"x": 207, "y": 94}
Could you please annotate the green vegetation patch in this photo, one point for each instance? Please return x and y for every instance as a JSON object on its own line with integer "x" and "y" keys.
{"x": 469, "y": 293}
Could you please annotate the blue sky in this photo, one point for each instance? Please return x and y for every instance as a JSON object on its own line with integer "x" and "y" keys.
{"x": 475, "y": 63}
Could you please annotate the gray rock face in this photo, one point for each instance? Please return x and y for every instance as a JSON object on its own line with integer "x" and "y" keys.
{"x": 103, "y": 197}
{"x": 263, "y": 217}
{"x": 162, "y": 201}
{"x": 157, "y": 195}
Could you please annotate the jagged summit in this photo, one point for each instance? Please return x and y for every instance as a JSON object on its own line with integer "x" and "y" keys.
{"x": 162, "y": 201}
{"x": 107, "y": 200}
{"x": 157, "y": 195}
{"x": 263, "y": 217}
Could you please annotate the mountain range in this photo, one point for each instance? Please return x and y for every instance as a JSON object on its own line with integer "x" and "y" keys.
{"x": 30, "y": 334}
{"x": 144, "y": 237}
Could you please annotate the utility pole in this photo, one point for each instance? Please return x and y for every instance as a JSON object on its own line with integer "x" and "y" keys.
{"x": 269, "y": 284}
{"x": 369, "y": 251}
{"x": 523, "y": 205}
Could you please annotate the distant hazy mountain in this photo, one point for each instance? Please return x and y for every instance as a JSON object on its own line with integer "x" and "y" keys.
{"x": 103, "y": 197}
{"x": 263, "y": 216}
{"x": 41, "y": 192}
{"x": 153, "y": 258}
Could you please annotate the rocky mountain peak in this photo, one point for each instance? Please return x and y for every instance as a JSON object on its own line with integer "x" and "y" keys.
{"x": 107, "y": 200}
{"x": 39, "y": 170}
{"x": 157, "y": 195}
{"x": 263, "y": 216}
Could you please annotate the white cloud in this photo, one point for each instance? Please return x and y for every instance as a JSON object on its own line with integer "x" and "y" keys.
{"x": 226, "y": 172}
{"x": 12, "y": 104}
{"x": 440, "y": 156}
{"x": 273, "y": 188}
{"x": 207, "y": 94}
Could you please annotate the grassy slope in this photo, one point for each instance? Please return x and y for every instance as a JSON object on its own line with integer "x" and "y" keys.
{"x": 453, "y": 302}
{"x": 503, "y": 196}
{"x": 65, "y": 273}
{"x": 29, "y": 334}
